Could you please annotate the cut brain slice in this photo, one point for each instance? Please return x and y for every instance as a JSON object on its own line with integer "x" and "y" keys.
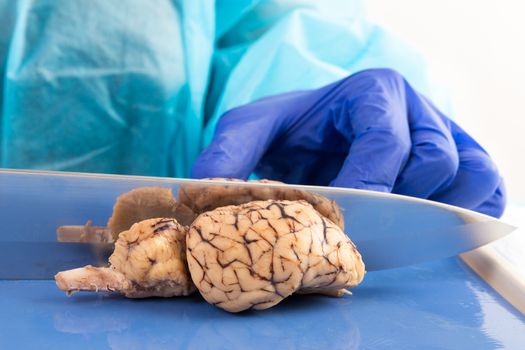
{"x": 136, "y": 205}
{"x": 201, "y": 198}
{"x": 149, "y": 260}
{"x": 256, "y": 254}
{"x": 145, "y": 203}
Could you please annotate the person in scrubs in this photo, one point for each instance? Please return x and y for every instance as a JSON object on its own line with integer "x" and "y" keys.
{"x": 304, "y": 92}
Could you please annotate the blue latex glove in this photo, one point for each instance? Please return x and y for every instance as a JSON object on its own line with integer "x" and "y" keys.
{"x": 371, "y": 131}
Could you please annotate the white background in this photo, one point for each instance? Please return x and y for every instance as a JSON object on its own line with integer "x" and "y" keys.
{"x": 476, "y": 49}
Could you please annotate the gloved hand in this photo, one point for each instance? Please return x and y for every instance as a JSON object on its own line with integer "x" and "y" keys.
{"x": 371, "y": 131}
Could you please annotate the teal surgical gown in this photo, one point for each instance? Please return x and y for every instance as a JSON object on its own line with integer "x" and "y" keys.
{"x": 137, "y": 86}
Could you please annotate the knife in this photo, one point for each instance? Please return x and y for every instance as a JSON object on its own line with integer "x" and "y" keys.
{"x": 389, "y": 230}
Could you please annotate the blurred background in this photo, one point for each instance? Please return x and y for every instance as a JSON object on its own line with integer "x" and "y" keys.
{"x": 476, "y": 52}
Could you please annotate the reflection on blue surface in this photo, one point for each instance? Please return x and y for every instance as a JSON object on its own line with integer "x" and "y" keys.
{"x": 432, "y": 306}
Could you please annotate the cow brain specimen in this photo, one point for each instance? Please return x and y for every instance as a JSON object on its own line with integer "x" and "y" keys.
{"x": 149, "y": 260}
{"x": 256, "y": 254}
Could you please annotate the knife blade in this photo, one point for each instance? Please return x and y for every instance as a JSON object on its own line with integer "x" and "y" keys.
{"x": 389, "y": 230}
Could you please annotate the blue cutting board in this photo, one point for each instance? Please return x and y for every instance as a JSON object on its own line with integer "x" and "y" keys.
{"x": 438, "y": 305}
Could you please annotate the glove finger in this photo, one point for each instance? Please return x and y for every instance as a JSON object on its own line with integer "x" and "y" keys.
{"x": 374, "y": 121}
{"x": 495, "y": 205}
{"x": 434, "y": 158}
{"x": 241, "y": 138}
{"x": 477, "y": 177}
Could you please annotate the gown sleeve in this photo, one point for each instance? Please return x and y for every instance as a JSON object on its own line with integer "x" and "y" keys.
{"x": 279, "y": 46}
{"x": 104, "y": 86}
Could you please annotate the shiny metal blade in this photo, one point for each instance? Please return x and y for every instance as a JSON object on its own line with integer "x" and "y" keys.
{"x": 389, "y": 230}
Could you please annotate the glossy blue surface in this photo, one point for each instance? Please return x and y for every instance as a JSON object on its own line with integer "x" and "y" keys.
{"x": 439, "y": 305}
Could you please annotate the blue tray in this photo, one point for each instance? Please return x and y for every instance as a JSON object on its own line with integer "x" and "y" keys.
{"x": 436, "y": 305}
